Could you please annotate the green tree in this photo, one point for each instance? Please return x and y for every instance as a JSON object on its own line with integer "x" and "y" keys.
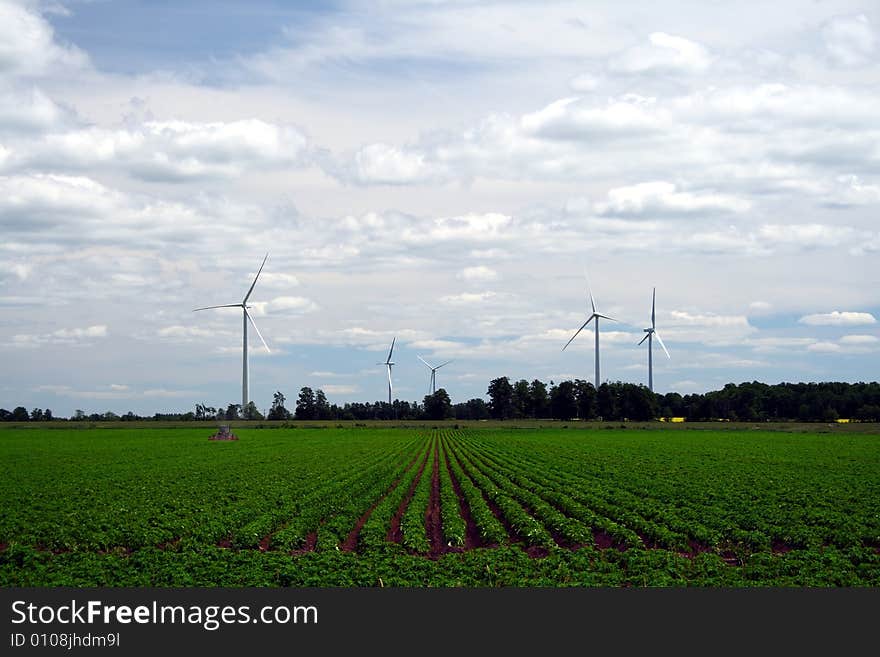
{"x": 322, "y": 406}
{"x": 521, "y": 399}
{"x": 539, "y": 400}
{"x": 278, "y": 411}
{"x": 306, "y": 407}
{"x": 252, "y": 413}
{"x": 585, "y": 396}
{"x": 563, "y": 405}
{"x": 500, "y": 398}
{"x": 438, "y": 406}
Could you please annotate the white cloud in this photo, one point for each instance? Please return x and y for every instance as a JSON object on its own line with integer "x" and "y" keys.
{"x": 179, "y": 332}
{"x": 383, "y": 164}
{"x": 665, "y": 53}
{"x": 660, "y": 197}
{"x": 64, "y": 336}
{"x": 780, "y": 343}
{"x": 824, "y": 347}
{"x": 468, "y": 298}
{"x": 171, "y": 151}
{"x": 838, "y": 318}
{"x": 480, "y": 273}
{"x": 26, "y": 110}
{"x": 97, "y": 331}
{"x": 294, "y": 304}
{"x": 28, "y": 46}
{"x": 578, "y": 119}
{"x": 849, "y": 40}
{"x": 859, "y": 340}
{"x": 276, "y": 279}
{"x": 584, "y": 83}
{"x": 333, "y": 389}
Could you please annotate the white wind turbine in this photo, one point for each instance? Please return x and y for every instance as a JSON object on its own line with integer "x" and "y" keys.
{"x": 389, "y": 364}
{"x": 595, "y": 315}
{"x": 651, "y": 333}
{"x": 432, "y": 387}
{"x": 244, "y": 340}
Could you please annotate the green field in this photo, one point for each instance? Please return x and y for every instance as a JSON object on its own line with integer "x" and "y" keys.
{"x": 427, "y": 506}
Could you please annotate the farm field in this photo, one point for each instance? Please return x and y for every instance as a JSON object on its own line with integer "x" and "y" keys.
{"x": 439, "y": 506}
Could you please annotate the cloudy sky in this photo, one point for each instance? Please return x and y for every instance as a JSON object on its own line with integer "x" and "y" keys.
{"x": 442, "y": 172}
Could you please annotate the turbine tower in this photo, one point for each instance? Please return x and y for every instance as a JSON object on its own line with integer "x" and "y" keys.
{"x": 432, "y": 386}
{"x": 245, "y": 317}
{"x": 389, "y": 364}
{"x": 651, "y": 333}
{"x": 595, "y": 315}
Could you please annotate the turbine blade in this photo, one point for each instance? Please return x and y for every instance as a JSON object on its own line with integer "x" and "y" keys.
{"x": 578, "y": 331}
{"x": 607, "y": 317}
{"x": 392, "y": 349}
{"x": 660, "y": 340}
{"x": 228, "y": 305}
{"x": 389, "y": 376}
{"x": 424, "y": 361}
{"x": 592, "y": 300}
{"x": 644, "y": 338}
{"x": 446, "y": 363}
{"x": 254, "y": 324}
{"x": 653, "y": 303}
{"x": 255, "y": 280}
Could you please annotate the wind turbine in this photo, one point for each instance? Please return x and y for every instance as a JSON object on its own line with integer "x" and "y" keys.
{"x": 433, "y": 385}
{"x": 389, "y": 364}
{"x": 595, "y": 315}
{"x": 244, "y": 340}
{"x": 651, "y": 333}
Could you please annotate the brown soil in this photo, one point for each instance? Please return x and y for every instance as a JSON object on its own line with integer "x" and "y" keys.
{"x": 695, "y": 548}
{"x": 496, "y": 511}
{"x": 603, "y": 541}
{"x": 537, "y": 551}
{"x": 226, "y": 543}
{"x": 648, "y": 542}
{"x": 168, "y": 545}
{"x": 395, "y": 535}
{"x": 309, "y": 545}
{"x": 780, "y": 547}
{"x": 3, "y": 546}
{"x": 350, "y": 543}
{"x": 433, "y": 522}
{"x": 472, "y": 538}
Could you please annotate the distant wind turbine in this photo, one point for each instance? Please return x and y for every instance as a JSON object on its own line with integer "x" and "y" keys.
{"x": 389, "y": 364}
{"x": 432, "y": 387}
{"x": 651, "y": 334}
{"x": 244, "y": 340}
{"x": 595, "y": 315}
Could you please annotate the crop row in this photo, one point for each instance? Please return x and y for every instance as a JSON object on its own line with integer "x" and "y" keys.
{"x": 374, "y": 533}
{"x": 624, "y": 526}
{"x": 489, "y": 527}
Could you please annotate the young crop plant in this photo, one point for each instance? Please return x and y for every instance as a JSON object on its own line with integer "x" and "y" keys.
{"x": 454, "y": 526}
{"x": 412, "y": 524}
{"x": 373, "y": 536}
{"x": 491, "y": 530}
{"x": 524, "y": 525}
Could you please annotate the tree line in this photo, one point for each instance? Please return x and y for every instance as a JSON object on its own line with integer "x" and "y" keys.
{"x": 565, "y": 400}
